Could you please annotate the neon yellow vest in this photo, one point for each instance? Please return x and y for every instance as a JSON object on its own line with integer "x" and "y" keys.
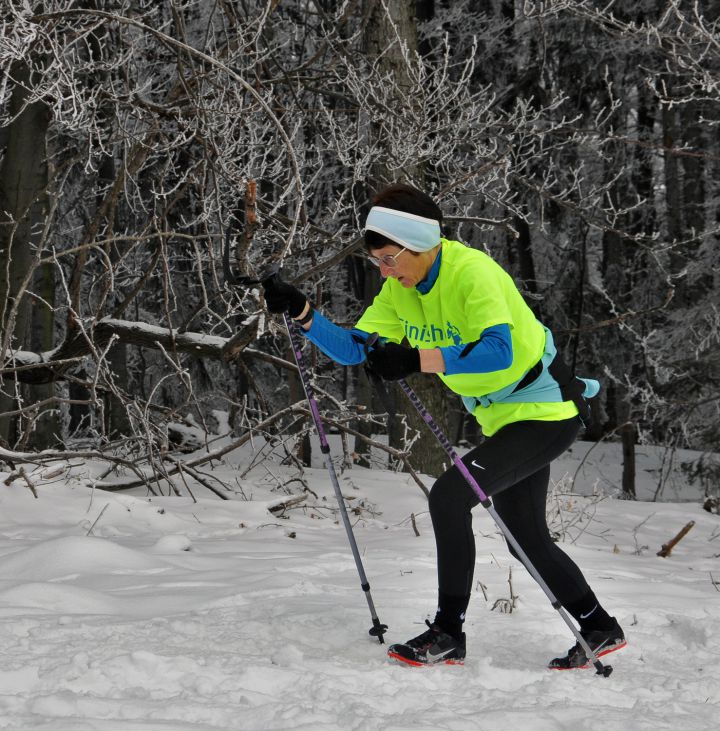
{"x": 472, "y": 293}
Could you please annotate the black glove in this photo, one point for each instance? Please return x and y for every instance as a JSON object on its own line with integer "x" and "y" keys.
{"x": 283, "y": 297}
{"x": 393, "y": 362}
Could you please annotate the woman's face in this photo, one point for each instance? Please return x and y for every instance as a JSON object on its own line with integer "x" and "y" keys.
{"x": 408, "y": 267}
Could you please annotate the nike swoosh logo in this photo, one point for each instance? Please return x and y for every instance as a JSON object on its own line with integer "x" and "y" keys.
{"x": 475, "y": 464}
{"x": 585, "y": 616}
{"x": 438, "y": 655}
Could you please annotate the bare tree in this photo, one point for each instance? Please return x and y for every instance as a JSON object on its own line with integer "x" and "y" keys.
{"x": 574, "y": 143}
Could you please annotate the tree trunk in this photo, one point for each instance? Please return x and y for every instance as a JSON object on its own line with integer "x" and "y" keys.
{"x": 23, "y": 207}
{"x": 371, "y": 283}
{"x": 628, "y": 435}
{"x": 390, "y": 34}
{"x": 47, "y": 431}
{"x": 117, "y": 422}
{"x": 526, "y": 265}
{"x": 694, "y": 196}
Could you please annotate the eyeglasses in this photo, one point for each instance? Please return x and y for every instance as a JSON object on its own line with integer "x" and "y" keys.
{"x": 389, "y": 260}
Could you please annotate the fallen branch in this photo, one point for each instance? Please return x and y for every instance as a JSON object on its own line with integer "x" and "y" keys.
{"x": 198, "y": 477}
{"x": 668, "y": 547}
{"x": 20, "y": 472}
{"x": 280, "y": 508}
{"x": 36, "y": 368}
{"x": 49, "y": 455}
{"x": 45, "y": 456}
{"x": 203, "y": 458}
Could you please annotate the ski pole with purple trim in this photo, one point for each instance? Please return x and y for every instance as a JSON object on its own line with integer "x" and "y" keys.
{"x": 378, "y": 629}
{"x": 486, "y": 502}
{"x": 234, "y": 278}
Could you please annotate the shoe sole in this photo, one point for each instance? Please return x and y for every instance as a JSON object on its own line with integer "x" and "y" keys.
{"x": 416, "y": 664}
{"x": 614, "y": 648}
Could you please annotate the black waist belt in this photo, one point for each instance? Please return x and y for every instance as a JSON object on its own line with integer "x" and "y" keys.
{"x": 530, "y": 376}
{"x": 571, "y": 388}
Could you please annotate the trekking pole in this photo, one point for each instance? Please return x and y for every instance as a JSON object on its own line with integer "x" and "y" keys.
{"x": 378, "y": 629}
{"x": 232, "y": 277}
{"x": 486, "y": 502}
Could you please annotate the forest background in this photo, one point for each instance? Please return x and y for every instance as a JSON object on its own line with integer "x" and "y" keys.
{"x": 576, "y": 143}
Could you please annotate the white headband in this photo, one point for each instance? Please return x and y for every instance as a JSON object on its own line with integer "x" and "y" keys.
{"x": 406, "y": 229}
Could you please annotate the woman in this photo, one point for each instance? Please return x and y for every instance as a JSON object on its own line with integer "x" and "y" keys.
{"x": 464, "y": 320}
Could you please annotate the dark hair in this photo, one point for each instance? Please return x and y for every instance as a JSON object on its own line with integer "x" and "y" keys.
{"x": 405, "y": 198}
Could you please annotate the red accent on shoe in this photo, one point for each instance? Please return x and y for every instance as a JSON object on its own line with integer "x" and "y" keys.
{"x": 597, "y": 654}
{"x": 416, "y": 664}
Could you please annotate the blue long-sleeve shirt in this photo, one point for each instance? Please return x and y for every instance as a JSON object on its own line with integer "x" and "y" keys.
{"x": 492, "y": 351}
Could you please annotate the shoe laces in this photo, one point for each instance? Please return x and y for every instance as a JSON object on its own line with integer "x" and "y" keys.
{"x": 426, "y": 639}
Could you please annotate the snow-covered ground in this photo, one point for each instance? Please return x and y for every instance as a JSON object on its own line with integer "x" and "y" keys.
{"x": 174, "y": 614}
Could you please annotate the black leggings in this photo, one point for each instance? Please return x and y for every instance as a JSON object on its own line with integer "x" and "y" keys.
{"x": 514, "y": 469}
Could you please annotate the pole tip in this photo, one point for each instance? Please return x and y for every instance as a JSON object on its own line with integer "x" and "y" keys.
{"x": 378, "y": 630}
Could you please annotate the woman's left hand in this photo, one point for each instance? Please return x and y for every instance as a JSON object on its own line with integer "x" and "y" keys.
{"x": 393, "y": 362}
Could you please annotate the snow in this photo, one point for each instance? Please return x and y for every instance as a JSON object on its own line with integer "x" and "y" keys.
{"x": 121, "y": 611}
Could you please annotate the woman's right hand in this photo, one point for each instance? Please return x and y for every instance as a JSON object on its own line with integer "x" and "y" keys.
{"x": 392, "y": 362}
